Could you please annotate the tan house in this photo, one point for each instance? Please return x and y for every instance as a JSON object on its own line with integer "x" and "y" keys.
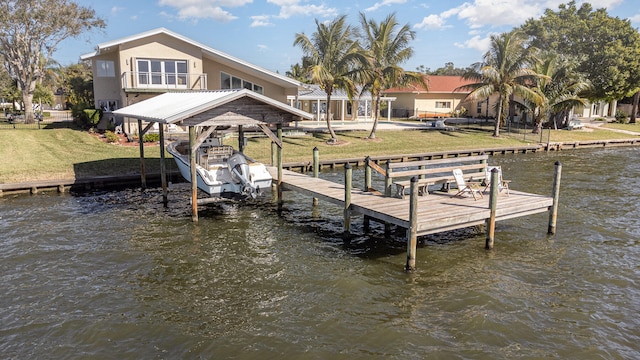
{"x": 138, "y": 67}
{"x": 312, "y": 99}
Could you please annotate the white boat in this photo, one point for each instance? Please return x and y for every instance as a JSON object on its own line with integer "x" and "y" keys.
{"x": 221, "y": 170}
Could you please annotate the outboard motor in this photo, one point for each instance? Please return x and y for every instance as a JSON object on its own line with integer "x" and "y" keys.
{"x": 239, "y": 169}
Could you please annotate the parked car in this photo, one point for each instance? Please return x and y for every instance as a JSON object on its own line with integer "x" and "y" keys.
{"x": 575, "y": 124}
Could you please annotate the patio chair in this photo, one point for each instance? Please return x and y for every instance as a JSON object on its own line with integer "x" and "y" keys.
{"x": 502, "y": 183}
{"x": 463, "y": 187}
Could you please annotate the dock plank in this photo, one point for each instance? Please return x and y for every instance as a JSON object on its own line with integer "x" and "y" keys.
{"x": 436, "y": 211}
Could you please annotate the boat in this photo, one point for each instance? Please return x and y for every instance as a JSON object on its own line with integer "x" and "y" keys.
{"x": 221, "y": 171}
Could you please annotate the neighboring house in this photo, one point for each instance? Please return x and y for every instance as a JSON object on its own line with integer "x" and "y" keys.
{"x": 443, "y": 98}
{"x": 313, "y": 99}
{"x": 138, "y": 67}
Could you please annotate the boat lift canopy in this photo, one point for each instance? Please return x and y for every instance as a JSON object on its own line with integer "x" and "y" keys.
{"x": 208, "y": 110}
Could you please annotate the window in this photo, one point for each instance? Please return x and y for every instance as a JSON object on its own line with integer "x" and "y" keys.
{"x": 162, "y": 73}
{"x": 105, "y": 68}
{"x": 479, "y": 108}
{"x": 443, "y": 104}
{"x": 232, "y": 82}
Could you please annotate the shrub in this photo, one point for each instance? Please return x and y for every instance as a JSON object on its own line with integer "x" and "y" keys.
{"x": 151, "y": 137}
{"x": 621, "y": 117}
{"x": 111, "y": 136}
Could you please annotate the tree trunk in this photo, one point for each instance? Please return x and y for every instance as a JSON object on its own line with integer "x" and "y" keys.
{"x": 27, "y": 98}
{"x": 376, "y": 115}
{"x": 334, "y": 137}
{"x": 496, "y": 129}
{"x": 634, "y": 108}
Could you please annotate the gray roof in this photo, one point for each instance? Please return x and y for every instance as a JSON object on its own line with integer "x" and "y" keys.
{"x": 172, "y": 107}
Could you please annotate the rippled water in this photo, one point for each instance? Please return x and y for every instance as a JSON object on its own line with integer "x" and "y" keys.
{"x": 117, "y": 275}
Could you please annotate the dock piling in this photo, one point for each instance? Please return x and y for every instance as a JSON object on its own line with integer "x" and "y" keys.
{"x": 348, "y": 172}
{"x": 316, "y": 169}
{"x": 412, "y": 231}
{"x": 553, "y": 211}
{"x": 493, "y": 202}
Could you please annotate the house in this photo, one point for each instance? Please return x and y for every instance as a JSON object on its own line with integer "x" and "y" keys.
{"x": 313, "y": 99}
{"x": 141, "y": 66}
{"x": 445, "y": 97}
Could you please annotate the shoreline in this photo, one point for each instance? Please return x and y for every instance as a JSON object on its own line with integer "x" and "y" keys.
{"x": 111, "y": 181}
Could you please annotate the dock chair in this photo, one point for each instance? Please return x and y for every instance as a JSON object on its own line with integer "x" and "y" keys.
{"x": 464, "y": 187}
{"x": 502, "y": 183}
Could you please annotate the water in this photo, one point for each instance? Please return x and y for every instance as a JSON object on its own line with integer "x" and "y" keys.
{"x": 115, "y": 275}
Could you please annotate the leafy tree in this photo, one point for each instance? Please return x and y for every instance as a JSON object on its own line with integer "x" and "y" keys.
{"x": 332, "y": 53}
{"x": 450, "y": 70}
{"x": 33, "y": 29}
{"x": 606, "y": 49}
{"x": 505, "y": 70}
{"x": 386, "y": 45}
{"x": 297, "y": 72}
{"x": 560, "y": 89}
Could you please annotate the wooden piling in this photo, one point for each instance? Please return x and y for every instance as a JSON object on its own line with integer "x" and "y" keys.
{"x": 194, "y": 178}
{"x": 367, "y": 174}
{"x": 348, "y": 172}
{"x": 163, "y": 167}
{"x": 316, "y": 169}
{"x": 143, "y": 172}
{"x": 279, "y": 187}
{"x": 493, "y": 202}
{"x": 412, "y": 231}
{"x": 553, "y": 211}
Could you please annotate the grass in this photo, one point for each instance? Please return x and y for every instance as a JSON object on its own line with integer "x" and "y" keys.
{"x": 629, "y": 127}
{"x": 49, "y": 154}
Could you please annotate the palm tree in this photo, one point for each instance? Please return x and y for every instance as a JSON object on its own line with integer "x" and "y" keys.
{"x": 386, "y": 45}
{"x": 504, "y": 70}
{"x": 331, "y": 54}
{"x": 297, "y": 73}
{"x": 560, "y": 89}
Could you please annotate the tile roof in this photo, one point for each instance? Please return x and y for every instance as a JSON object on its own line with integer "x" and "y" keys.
{"x": 437, "y": 84}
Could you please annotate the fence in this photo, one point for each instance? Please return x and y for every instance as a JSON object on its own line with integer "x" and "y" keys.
{"x": 50, "y": 120}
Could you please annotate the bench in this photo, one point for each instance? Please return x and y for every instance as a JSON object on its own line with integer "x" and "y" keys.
{"x": 432, "y": 172}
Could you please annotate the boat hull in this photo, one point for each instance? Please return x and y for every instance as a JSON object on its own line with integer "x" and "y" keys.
{"x": 216, "y": 180}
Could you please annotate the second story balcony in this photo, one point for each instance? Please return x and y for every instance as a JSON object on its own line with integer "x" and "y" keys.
{"x": 161, "y": 82}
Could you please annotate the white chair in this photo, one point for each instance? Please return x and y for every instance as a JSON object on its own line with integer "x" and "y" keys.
{"x": 463, "y": 187}
{"x": 502, "y": 184}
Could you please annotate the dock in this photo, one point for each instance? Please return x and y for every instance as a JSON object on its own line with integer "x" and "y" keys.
{"x": 434, "y": 213}
{"x": 437, "y": 212}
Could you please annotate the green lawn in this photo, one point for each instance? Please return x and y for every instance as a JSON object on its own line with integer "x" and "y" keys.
{"x": 67, "y": 153}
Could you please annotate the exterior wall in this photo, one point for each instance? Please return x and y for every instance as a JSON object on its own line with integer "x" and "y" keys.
{"x": 107, "y": 89}
{"x": 214, "y": 69}
{"x": 202, "y": 71}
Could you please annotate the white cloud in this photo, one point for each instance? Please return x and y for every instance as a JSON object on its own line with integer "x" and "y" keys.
{"x": 378, "y": 5}
{"x": 431, "y": 22}
{"x": 635, "y": 18}
{"x": 116, "y": 9}
{"x": 261, "y": 20}
{"x": 476, "y": 42}
{"x": 289, "y": 8}
{"x": 205, "y": 9}
{"x": 262, "y": 47}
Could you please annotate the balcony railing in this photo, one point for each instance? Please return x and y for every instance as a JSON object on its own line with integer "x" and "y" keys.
{"x": 163, "y": 81}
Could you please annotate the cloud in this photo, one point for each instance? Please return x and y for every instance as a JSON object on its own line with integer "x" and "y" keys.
{"x": 482, "y": 44}
{"x": 116, "y": 9}
{"x": 260, "y": 20}
{"x": 289, "y": 8}
{"x": 635, "y": 18}
{"x": 378, "y": 5}
{"x": 205, "y": 9}
{"x": 431, "y": 22}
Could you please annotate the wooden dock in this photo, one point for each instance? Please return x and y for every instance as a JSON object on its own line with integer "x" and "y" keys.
{"x": 437, "y": 212}
{"x": 427, "y": 214}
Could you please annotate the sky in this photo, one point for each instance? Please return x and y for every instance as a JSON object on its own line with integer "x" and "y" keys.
{"x": 262, "y": 31}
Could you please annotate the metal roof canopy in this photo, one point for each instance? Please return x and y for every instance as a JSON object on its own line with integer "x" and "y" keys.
{"x": 212, "y": 108}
